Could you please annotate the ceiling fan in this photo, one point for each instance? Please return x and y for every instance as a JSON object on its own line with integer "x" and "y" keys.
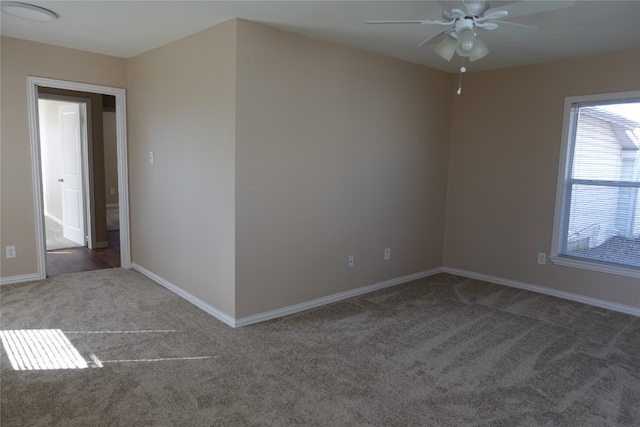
{"x": 468, "y": 16}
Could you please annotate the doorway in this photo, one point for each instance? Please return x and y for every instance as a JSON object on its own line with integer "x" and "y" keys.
{"x": 74, "y": 164}
{"x": 82, "y": 214}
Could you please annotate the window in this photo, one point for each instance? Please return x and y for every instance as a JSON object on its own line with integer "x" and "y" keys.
{"x": 597, "y": 221}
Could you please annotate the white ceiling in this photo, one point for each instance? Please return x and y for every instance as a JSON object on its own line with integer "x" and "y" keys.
{"x": 128, "y": 28}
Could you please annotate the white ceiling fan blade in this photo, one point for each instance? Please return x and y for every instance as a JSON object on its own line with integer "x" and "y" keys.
{"x": 456, "y": 4}
{"x": 498, "y": 14}
{"x": 511, "y": 29}
{"x": 487, "y": 25}
{"x": 425, "y": 22}
{"x": 435, "y": 39}
{"x": 529, "y": 7}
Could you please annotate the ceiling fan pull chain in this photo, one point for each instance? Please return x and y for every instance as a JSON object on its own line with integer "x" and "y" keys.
{"x": 463, "y": 69}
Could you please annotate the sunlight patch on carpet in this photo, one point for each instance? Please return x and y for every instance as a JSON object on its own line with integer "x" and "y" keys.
{"x": 46, "y": 349}
{"x": 41, "y": 349}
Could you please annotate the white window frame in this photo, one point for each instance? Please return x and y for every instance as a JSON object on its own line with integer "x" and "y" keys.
{"x": 555, "y": 257}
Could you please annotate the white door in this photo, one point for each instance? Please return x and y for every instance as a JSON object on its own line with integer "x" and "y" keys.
{"x": 71, "y": 179}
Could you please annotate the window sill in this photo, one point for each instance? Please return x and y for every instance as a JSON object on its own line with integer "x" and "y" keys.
{"x": 594, "y": 266}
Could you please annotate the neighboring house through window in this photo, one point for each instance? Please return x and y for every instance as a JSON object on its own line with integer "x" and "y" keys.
{"x": 597, "y": 221}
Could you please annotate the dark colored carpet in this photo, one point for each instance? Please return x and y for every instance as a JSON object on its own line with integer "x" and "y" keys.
{"x": 440, "y": 351}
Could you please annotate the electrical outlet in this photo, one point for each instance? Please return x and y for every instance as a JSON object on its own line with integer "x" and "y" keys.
{"x": 11, "y": 252}
{"x": 350, "y": 262}
{"x": 387, "y": 254}
{"x": 113, "y": 191}
{"x": 542, "y": 258}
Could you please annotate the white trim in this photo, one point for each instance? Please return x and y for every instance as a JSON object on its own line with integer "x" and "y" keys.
{"x": 101, "y": 245}
{"x": 112, "y": 205}
{"x": 286, "y": 311}
{"x": 280, "y": 312}
{"x": 123, "y": 179}
{"x": 36, "y": 178}
{"x": 87, "y": 173}
{"x": 594, "y": 266}
{"x": 635, "y": 311}
{"x": 225, "y": 318}
{"x": 560, "y": 182}
{"x": 53, "y": 218}
{"x": 19, "y": 279}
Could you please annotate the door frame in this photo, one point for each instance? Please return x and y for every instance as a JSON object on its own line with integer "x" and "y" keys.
{"x": 87, "y": 168}
{"x": 123, "y": 178}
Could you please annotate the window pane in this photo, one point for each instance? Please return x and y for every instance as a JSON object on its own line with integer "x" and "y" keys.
{"x": 606, "y": 146}
{"x": 602, "y": 224}
{"x": 602, "y": 218}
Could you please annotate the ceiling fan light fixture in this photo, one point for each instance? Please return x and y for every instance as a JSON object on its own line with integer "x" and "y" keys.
{"x": 479, "y": 51}
{"x": 466, "y": 42}
{"x": 447, "y": 48}
{"x": 28, "y": 12}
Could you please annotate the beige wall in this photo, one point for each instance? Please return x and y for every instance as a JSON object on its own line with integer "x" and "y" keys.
{"x": 19, "y": 59}
{"x": 505, "y": 148}
{"x": 338, "y": 152}
{"x": 181, "y": 105}
{"x": 110, "y": 157}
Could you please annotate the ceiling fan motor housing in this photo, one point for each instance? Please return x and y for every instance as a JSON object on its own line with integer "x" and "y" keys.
{"x": 464, "y": 24}
{"x": 476, "y": 7}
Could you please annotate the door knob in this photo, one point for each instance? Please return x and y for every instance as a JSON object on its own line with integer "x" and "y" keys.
{"x": 60, "y": 179}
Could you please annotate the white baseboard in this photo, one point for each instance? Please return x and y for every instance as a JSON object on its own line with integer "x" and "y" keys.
{"x": 225, "y": 318}
{"x": 54, "y": 218}
{"x": 285, "y": 311}
{"x": 296, "y": 308}
{"x": 281, "y": 312}
{"x": 547, "y": 291}
{"x": 19, "y": 279}
{"x": 112, "y": 205}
